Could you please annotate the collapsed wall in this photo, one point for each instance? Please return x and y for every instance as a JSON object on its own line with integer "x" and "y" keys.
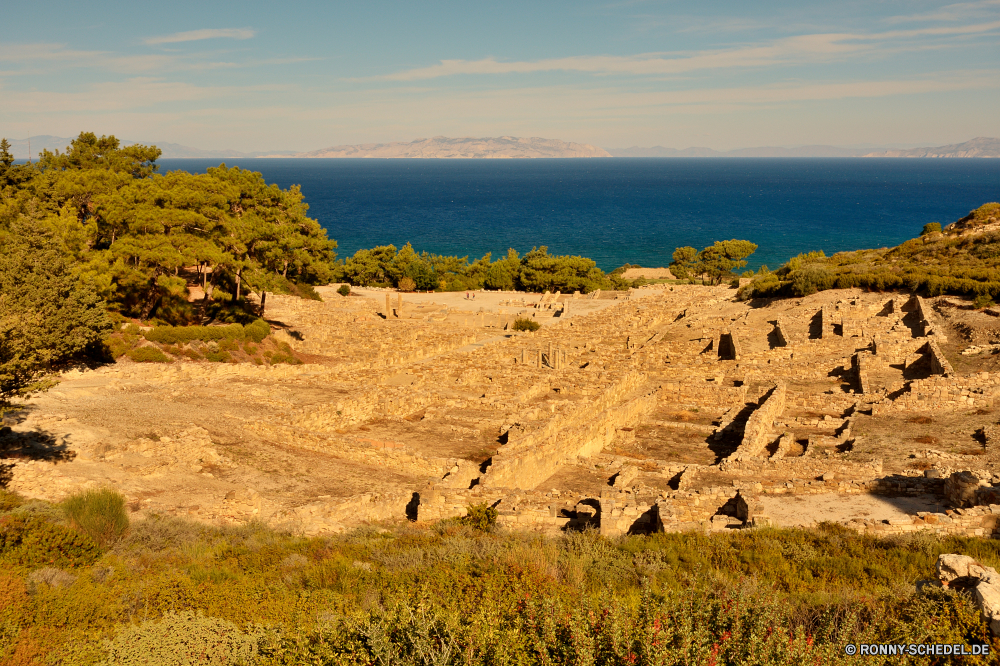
{"x": 939, "y": 364}
{"x": 758, "y": 427}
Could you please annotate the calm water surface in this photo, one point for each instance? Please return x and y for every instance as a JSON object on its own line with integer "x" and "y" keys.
{"x": 628, "y": 210}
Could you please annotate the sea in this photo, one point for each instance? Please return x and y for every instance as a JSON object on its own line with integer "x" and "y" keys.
{"x": 628, "y": 210}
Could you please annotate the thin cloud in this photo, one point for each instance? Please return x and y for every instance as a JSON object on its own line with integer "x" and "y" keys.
{"x": 955, "y": 12}
{"x": 798, "y": 49}
{"x": 207, "y": 33}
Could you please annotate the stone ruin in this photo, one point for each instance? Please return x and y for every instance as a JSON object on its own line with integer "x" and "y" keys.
{"x": 670, "y": 408}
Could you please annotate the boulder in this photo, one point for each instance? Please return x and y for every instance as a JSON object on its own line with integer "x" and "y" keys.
{"x": 626, "y": 476}
{"x": 963, "y": 572}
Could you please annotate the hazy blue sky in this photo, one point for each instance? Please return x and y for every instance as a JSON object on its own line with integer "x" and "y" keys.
{"x": 302, "y": 76}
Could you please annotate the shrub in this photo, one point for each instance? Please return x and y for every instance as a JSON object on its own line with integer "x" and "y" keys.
{"x": 9, "y": 500}
{"x": 181, "y": 639}
{"x": 481, "y": 517}
{"x": 344, "y": 290}
{"x": 99, "y": 513}
{"x": 176, "y": 334}
{"x": 931, "y": 228}
{"x": 257, "y": 331}
{"x": 32, "y": 541}
{"x": 982, "y": 301}
{"x": 148, "y": 355}
{"x": 525, "y": 324}
{"x": 218, "y": 356}
{"x": 811, "y": 279}
{"x": 407, "y": 284}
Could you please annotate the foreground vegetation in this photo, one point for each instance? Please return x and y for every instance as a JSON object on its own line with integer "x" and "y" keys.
{"x": 80, "y": 588}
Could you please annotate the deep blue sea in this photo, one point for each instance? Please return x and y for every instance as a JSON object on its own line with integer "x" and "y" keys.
{"x": 628, "y": 210}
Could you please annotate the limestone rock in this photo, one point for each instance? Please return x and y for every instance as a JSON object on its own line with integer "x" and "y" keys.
{"x": 963, "y": 572}
{"x": 626, "y": 476}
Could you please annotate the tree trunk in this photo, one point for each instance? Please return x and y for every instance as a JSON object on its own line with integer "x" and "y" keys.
{"x": 284, "y": 273}
{"x": 152, "y": 300}
{"x": 204, "y": 278}
{"x": 263, "y": 299}
{"x": 239, "y": 278}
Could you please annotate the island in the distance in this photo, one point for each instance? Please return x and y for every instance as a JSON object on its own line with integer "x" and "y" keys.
{"x": 503, "y": 147}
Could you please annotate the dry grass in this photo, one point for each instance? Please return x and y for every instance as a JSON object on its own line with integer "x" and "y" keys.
{"x": 922, "y": 420}
{"x": 926, "y": 439}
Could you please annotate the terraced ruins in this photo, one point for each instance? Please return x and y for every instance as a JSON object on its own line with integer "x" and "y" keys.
{"x": 663, "y": 408}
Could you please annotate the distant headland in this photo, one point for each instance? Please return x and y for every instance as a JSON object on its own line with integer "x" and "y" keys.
{"x": 511, "y": 147}
{"x": 504, "y": 147}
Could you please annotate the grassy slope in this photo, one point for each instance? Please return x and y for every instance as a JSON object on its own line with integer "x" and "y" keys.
{"x": 964, "y": 260}
{"x": 769, "y": 596}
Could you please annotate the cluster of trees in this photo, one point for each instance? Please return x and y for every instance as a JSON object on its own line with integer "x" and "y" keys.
{"x": 536, "y": 271}
{"x": 134, "y": 235}
{"x": 96, "y": 232}
{"x": 714, "y": 263}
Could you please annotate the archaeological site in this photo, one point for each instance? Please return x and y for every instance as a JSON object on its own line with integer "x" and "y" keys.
{"x": 664, "y": 408}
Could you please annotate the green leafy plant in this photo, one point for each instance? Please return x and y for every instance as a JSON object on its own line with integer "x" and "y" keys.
{"x": 344, "y": 290}
{"x": 100, "y": 513}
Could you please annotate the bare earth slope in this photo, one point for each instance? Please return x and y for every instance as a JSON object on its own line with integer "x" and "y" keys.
{"x": 444, "y": 147}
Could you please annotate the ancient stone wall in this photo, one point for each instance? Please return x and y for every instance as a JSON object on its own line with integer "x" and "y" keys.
{"x": 526, "y": 462}
{"x": 759, "y": 425}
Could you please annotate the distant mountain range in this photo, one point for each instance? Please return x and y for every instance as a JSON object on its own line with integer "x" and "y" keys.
{"x": 504, "y": 147}
{"x": 534, "y": 147}
{"x": 979, "y": 147}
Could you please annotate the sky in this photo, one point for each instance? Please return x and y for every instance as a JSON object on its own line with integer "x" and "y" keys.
{"x": 308, "y": 75}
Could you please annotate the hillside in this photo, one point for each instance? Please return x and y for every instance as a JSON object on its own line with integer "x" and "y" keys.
{"x": 466, "y": 148}
{"x": 962, "y": 259}
{"x": 978, "y": 147}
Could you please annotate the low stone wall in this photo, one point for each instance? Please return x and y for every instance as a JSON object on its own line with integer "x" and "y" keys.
{"x": 703, "y": 394}
{"x": 527, "y": 461}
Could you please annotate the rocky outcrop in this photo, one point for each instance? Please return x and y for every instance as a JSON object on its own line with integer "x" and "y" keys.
{"x": 978, "y": 147}
{"x": 961, "y": 572}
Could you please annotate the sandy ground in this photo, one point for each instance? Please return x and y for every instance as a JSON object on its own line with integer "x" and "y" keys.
{"x": 806, "y": 510}
{"x": 487, "y": 301}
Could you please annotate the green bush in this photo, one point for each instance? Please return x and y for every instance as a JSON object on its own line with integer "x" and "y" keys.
{"x": 257, "y": 331}
{"x": 9, "y": 500}
{"x": 33, "y": 541}
{"x": 181, "y": 639}
{"x": 218, "y": 356}
{"x": 482, "y": 517}
{"x": 148, "y": 355}
{"x": 344, "y": 290}
{"x": 931, "y": 228}
{"x": 525, "y": 324}
{"x": 100, "y": 513}
{"x": 171, "y": 335}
